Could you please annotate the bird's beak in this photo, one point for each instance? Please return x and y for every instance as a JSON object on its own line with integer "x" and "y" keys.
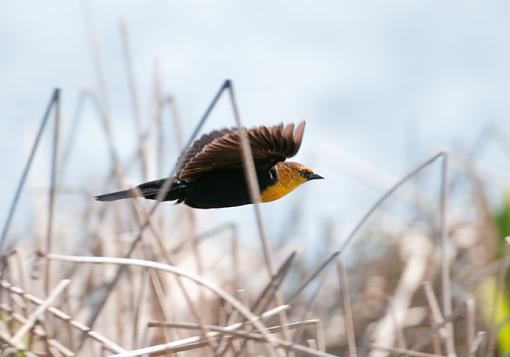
{"x": 314, "y": 176}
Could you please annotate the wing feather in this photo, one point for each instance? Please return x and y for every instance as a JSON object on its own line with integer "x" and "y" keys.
{"x": 188, "y": 154}
{"x": 221, "y": 150}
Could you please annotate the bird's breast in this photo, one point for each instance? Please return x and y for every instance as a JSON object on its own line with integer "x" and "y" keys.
{"x": 274, "y": 192}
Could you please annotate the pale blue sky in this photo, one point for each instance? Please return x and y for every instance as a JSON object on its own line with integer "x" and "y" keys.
{"x": 388, "y": 82}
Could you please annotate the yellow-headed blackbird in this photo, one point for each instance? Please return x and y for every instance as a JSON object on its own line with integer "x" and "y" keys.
{"x": 210, "y": 172}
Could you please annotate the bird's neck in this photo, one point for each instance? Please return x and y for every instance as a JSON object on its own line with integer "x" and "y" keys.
{"x": 287, "y": 179}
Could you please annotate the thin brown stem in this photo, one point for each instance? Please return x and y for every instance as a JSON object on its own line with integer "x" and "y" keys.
{"x": 349, "y": 325}
{"x": 26, "y": 170}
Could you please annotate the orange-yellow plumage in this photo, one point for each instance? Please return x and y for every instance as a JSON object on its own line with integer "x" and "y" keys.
{"x": 288, "y": 178}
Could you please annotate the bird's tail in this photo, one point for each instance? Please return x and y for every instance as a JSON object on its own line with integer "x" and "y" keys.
{"x": 148, "y": 190}
{"x": 119, "y": 195}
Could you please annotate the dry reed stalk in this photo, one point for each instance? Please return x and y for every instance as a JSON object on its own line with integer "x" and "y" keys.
{"x": 162, "y": 102}
{"x": 349, "y": 324}
{"x": 471, "y": 281}
{"x": 427, "y": 337}
{"x": 52, "y": 191}
{"x": 312, "y": 344}
{"x": 437, "y": 316}
{"x": 70, "y": 334}
{"x": 157, "y": 286}
{"x": 445, "y": 258}
{"x": 477, "y": 345}
{"x": 272, "y": 329}
{"x": 95, "y": 52}
{"x": 319, "y": 332}
{"x": 403, "y": 351}
{"x": 26, "y": 170}
{"x": 250, "y": 347}
{"x": 470, "y": 325}
{"x": 309, "y": 308}
{"x": 75, "y": 120}
{"x": 234, "y": 254}
{"x": 139, "y": 306}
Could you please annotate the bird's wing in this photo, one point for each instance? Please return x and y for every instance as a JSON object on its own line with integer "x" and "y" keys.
{"x": 188, "y": 154}
{"x": 222, "y": 150}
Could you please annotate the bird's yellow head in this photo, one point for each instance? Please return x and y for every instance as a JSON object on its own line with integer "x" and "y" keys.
{"x": 289, "y": 175}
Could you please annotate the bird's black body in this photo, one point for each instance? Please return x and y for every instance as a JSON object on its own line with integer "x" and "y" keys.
{"x": 215, "y": 190}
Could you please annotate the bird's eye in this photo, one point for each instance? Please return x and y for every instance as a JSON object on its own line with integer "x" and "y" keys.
{"x": 272, "y": 172}
{"x": 305, "y": 173}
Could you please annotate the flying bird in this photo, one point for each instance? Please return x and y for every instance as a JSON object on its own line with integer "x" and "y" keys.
{"x": 210, "y": 174}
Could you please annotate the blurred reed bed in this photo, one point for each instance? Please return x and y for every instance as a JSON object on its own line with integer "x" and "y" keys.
{"x": 429, "y": 279}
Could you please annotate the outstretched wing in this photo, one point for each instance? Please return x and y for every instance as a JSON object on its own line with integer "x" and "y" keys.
{"x": 189, "y": 153}
{"x": 221, "y": 150}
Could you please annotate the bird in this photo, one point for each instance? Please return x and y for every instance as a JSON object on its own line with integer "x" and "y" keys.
{"x": 210, "y": 174}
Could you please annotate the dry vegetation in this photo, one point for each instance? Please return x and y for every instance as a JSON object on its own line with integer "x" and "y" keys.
{"x": 425, "y": 284}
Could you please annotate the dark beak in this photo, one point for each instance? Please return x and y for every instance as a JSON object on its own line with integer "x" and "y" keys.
{"x": 314, "y": 177}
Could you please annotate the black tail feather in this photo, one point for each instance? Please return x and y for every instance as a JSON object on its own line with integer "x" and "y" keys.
{"x": 119, "y": 195}
{"x": 148, "y": 190}
{"x": 151, "y": 190}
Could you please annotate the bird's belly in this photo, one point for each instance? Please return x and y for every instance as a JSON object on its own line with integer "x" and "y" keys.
{"x": 220, "y": 189}
{"x": 274, "y": 192}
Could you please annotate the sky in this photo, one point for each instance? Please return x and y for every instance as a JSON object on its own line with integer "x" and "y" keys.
{"x": 386, "y": 83}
